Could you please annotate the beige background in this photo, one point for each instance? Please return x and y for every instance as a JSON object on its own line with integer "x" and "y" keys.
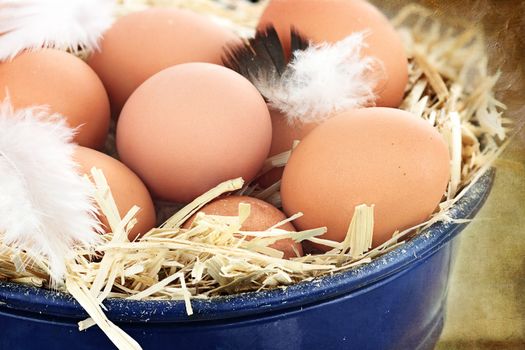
{"x": 486, "y": 308}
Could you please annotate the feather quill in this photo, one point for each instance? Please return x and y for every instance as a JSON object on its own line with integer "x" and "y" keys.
{"x": 72, "y": 25}
{"x": 320, "y": 79}
{"x": 46, "y": 207}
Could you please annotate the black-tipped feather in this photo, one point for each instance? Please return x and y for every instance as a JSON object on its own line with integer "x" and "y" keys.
{"x": 262, "y": 55}
{"x": 299, "y": 42}
{"x": 268, "y": 49}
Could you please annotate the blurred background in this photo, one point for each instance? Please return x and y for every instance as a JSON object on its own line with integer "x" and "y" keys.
{"x": 486, "y": 306}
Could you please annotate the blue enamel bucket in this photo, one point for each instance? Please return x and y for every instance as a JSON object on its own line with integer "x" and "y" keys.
{"x": 395, "y": 302}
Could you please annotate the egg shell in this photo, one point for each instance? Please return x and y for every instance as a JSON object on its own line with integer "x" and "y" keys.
{"x": 333, "y": 20}
{"x": 283, "y": 136}
{"x": 126, "y": 187}
{"x": 144, "y": 43}
{"x": 192, "y": 126}
{"x": 262, "y": 216}
{"x": 375, "y": 156}
{"x": 63, "y": 82}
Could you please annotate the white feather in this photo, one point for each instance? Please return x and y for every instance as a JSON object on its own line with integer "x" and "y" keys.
{"x": 46, "y": 207}
{"x": 61, "y": 24}
{"x": 324, "y": 79}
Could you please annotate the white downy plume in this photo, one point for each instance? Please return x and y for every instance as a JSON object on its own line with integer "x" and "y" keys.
{"x": 46, "y": 207}
{"x": 62, "y": 24}
{"x": 324, "y": 79}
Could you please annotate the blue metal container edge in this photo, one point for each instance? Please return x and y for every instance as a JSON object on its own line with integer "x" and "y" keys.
{"x": 40, "y": 301}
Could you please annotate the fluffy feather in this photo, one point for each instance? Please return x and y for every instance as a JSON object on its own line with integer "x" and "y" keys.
{"x": 45, "y": 206}
{"x": 63, "y": 24}
{"x": 324, "y": 79}
{"x": 319, "y": 81}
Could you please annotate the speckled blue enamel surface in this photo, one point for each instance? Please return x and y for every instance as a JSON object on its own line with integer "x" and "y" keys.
{"x": 394, "y": 302}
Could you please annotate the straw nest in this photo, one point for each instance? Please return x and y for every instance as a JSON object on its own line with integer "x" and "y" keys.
{"x": 449, "y": 86}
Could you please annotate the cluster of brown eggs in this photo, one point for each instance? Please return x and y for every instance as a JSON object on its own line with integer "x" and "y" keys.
{"x": 185, "y": 123}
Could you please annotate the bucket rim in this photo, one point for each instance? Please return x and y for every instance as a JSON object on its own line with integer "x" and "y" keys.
{"x": 23, "y": 298}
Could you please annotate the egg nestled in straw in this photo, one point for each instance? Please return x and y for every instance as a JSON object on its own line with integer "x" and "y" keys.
{"x": 376, "y": 156}
{"x": 143, "y": 43}
{"x": 319, "y": 81}
{"x": 126, "y": 187}
{"x": 65, "y": 84}
{"x": 313, "y": 59}
{"x": 262, "y": 217}
{"x": 192, "y": 126}
{"x": 284, "y": 135}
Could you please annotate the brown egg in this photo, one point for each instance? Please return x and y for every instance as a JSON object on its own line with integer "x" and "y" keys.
{"x": 192, "y": 126}
{"x": 283, "y": 136}
{"x": 63, "y": 82}
{"x": 126, "y": 187}
{"x": 144, "y": 43}
{"x": 380, "y": 156}
{"x": 262, "y": 217}
{"x": 333, "y": 20}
